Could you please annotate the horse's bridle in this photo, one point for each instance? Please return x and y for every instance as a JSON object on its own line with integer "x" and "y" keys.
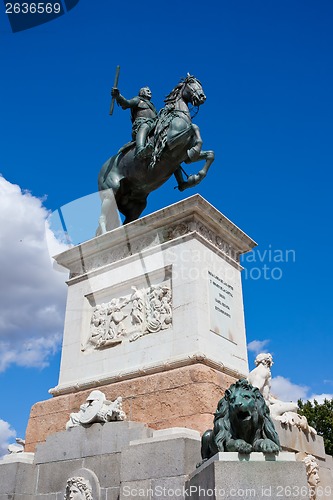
{"x": 195, "y": 93}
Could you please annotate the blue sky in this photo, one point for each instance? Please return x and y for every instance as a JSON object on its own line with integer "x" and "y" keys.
{"x": 267, "y": 71}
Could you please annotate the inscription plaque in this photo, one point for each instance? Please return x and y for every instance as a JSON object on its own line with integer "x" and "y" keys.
{"x": 221, "y": 296}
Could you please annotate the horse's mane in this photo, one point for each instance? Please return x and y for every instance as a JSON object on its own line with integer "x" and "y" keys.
{"x": 175, "y": 93}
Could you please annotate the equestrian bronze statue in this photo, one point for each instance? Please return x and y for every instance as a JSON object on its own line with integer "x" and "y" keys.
{"x": 161, "y": 142}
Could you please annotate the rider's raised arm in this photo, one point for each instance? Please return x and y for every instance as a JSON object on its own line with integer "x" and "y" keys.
{"x": 122, "y": 101}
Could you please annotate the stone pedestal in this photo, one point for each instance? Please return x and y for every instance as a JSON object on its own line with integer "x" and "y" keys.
{"x": 231, "y": 475}
{"x": 129, "y": 460}
{"x": 154, "y": 314}
{"x": 120, "y": 459}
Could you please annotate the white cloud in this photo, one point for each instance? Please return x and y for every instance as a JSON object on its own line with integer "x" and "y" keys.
{"x": 32, "y": 294}
{"x": 6, "y": 433}
{"x": 320, "y": 398}
{"x": 257, "y": 346}
{"x": 285, "y": 390}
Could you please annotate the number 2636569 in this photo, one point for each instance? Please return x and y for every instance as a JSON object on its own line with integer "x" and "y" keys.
{"x": 33, "y": 8}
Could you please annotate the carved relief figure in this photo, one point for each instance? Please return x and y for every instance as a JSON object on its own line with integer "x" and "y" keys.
{"x": 98, "y": 323}
{"x": 138, "y": 306}
{"x": 285, "y": 412}
{"x": 97, "y": 409}
{"x": 312, "y": 472}
{"x": 166, "y": 311}
{"x": 78, "y": 488}
{"x": 117, "y": 315}
{"x": 159, "y": 308}
{"x": 144, "y": 311}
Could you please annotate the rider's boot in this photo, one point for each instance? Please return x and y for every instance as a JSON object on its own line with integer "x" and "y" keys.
{"x": 142, "y": 150}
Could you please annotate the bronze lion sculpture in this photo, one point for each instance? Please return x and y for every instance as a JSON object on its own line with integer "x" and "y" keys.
{"x": 241, "y": 423}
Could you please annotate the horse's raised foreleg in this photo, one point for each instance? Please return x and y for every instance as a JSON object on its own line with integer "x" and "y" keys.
{"x": 194, "y": 152}
{"x": 194, "y": 179}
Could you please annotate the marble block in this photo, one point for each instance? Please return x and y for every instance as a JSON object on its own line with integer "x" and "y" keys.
{"x": 252, "y": 476}
{"x": 294, "y": 439}
{"x": 159, "y": 292}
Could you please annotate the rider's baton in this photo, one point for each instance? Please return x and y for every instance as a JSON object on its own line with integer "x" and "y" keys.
{"x": 116, "y": 78}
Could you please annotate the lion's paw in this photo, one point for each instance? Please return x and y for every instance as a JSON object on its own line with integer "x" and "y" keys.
{"x": 266, "y": 446}
{"x": 240, "y": 446}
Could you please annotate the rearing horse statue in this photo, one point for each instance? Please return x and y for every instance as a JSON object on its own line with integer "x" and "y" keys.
{"x": 175, "y": 139}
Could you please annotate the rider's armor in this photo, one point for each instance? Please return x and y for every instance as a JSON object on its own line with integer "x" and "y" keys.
{"x": 144, "y": 113}
{"x": 143, "y": 117}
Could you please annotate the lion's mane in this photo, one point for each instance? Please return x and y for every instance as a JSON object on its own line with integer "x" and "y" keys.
{"x": 215, "y": 440}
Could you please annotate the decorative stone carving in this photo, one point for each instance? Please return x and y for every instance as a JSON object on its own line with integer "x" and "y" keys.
{"x": 191, "y": 225}
{"x": 78, "y": 488}
{"x": 312, "y": 472}
{"x": 97, "y": 409}
{"x": 146, "y": 310}
{"x": 155, "y": 311}
{"x": 159, "y": 236}
{"x": 17, "y": 448}
{"x": 242, "y": 423}
{"x": 285, "y": 412}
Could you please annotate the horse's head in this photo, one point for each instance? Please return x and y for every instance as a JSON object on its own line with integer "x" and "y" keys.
{"x": 192, "y": 91}
{"x": 189, "y": 89}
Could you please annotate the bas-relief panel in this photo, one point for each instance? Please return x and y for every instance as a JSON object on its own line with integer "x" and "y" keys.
{"x": 128, "y": 317}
